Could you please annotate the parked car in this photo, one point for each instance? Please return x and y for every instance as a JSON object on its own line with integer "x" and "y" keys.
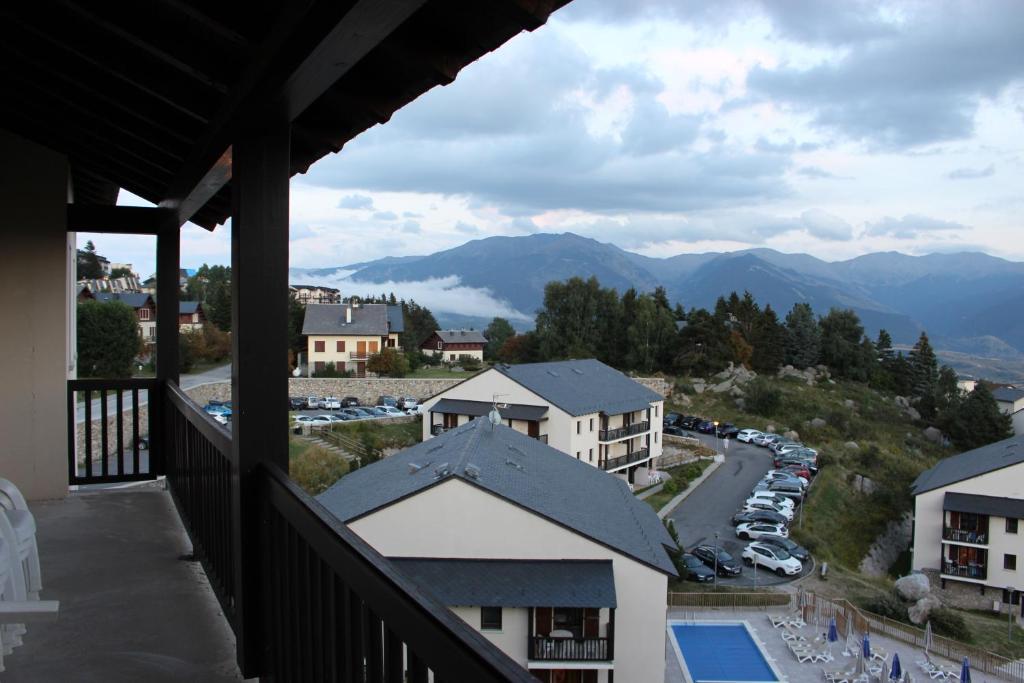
{"x": 216, "y": 408}
{"x": 786, "y": 460}
{"x": 220, "y": 419}
{"x": 747, "y": 435}
{"x": 690, "y": 422}
{"x": 758, "y": 516}
{"x": 673, "y": 430}
{"x": 407, "y": 402}
{"x": 754, "y": 530}
{"x": 313, "y": 420}
{"x": 791, "y": 490}
{"x": 375, "y": 411}
{"x": 771, "y": 439}
{"x": 775, "y": 446}
{"x": 727, "y": 566}
{"x": 763, "y": 505}
{"x": 790, "y": 546}
{"x": 762, "y": 439}
{"x": 312, "y": 402}
{"x": 349, "y": 401}
{"x": 296, "y": 403}
{"x": 773, "y": 558}
{"x": 779, "y": 475}
{"x": 696, "y": 570}
{"x": 390, "y": 411}
{"x": 771, "y": 497}
{"x": 353, "y": 414}
{"x": 727, "y": 430}
{"x": 797, "y": 469}
{"x": 387, "y": 401}
{"x": 670, "y": 419}
{"x": 330, "y": 403}
{"x": 706, "y": 427}
{"x": 789, "y": 448}
{"x": 364, "y": 411}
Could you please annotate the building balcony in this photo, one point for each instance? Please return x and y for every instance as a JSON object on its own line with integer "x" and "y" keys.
{"x": 623, "y": 432}
{"x": 361, "y": 355}
{"x": 543, "y": 438}
{"x": 547, "y": 649}
{"x": 627, "y": 459}
{"x": 964, "y": 536}
{"x": 978, "y": 572}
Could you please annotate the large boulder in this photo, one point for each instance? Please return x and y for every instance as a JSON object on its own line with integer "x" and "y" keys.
{"x": 933, "y": 434}
{"x": 864, "y": 484}
{"x": 792, "y": 434}
{"x": 818, "y": 423}
{"x": 912, "y": 413}
{"x": 851, "y": 445}
{"x": 736, "y": 392}
{"x": 722, "y": 387}
{"x": 770, "y": 429}
{"x": 922, "y": 609}
{"x": 699, "y": 386}
{"x": 725, "y": 374}
{"x": 849, "y": 403}
{"x": 741, "y": 403}
{"x": 913, "y": 587}
{"x": 902, "y": 401}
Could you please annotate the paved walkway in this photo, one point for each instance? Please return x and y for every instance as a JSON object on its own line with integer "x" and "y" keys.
{"x": 130, "y": 610}
{"x": 783, "y": 659}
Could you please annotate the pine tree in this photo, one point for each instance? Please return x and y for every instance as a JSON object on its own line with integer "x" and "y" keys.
{"x": 924, "y": 367}
{"x": 884, "y": 346}
{"x": 841, "y": 348}
{"x": 975, "y": 420}
{"x": 769, "y": 342}
{"x": 802, "y": 336}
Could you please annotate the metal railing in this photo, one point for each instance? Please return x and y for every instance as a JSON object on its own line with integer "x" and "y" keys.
{"x": 627, "y": 459}
{"x": 964, "y": 535}
{"x": 361, "y": 355}
{"x": 114, "y": 444}
{"x": 729, "y": 600}
{"x": 620, "y": 432}
{"x": 547, "y": 649}
{"x": 543, "y": 438}
{"x": 966, "y": 571}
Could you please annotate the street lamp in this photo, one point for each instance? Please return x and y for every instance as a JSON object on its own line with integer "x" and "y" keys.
{"x": 716, "y": 560}
{"x": 716, "y": 435}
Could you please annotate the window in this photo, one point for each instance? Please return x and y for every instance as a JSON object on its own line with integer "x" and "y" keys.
{"x": 591, "y": 424}
{"x": 440, "y": 346}
{"x": 1011, "y": 525}
{"x": 452, "y": 356}
{"x": 1010, "y": 562}
{"x": 490, "y": 618}
{"x": 318, "y": 366}
{"x": 591, "y": 455}
{"x": 340, "y": 346}
{"x": 143, "y": 314}
{"x": 655, "y": 437}
{"x": 578, "y": 423}
{"x": 655, "y": 411}
{"x": 577, "y": 455}
{"x": 319, "y": 346}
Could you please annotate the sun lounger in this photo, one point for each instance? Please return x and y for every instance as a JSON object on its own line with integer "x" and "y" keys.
{"x": 790, "y": 634}
{"x": 841, "y": 676}
{"x": 791, "y": 619}
{"x": 933, "y": 670}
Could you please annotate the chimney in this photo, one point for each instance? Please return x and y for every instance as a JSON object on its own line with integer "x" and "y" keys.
{"x": 348, "y": 315}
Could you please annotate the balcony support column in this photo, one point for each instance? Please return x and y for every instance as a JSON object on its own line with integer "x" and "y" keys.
{"x": 259, "y": 342}
{"x": 168, "y": 293}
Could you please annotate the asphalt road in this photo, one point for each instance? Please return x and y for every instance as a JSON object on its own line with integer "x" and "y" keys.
{"x": 709, "y": 509}
{"x": 218, "y": 374}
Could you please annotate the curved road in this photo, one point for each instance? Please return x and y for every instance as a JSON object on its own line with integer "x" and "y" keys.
{"x": 709, "y": 509}
{"x": 218, "y": 374}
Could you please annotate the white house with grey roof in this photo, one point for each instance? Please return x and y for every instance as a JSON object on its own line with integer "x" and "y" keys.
{"x": 967, "y": 512}
{"x": 347, "y": 335}
{"x": 1011, "y": 402}
{"x": 501, "y": 528}
{"x": 453, "y": 346}
{"x": 584, "y": 408}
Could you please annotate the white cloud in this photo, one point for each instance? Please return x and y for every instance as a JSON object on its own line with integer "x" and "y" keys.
{"x": 355, "y": 201}
{"x": 824, "y": 225}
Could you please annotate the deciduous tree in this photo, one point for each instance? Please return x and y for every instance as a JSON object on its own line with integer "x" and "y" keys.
{"x": 108, "y": 339}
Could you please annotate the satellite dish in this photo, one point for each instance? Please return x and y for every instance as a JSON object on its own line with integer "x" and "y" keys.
{"x": 494, "y": 416}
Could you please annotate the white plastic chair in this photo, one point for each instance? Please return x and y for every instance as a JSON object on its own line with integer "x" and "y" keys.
{"x": 24, "y": 526}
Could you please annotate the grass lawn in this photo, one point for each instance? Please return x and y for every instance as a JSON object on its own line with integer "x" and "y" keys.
{"x": 380, "y": 434}
{"x": 682, "y": 475}
{"x": 313, "y": 468}
{"x": 989, "y": 631}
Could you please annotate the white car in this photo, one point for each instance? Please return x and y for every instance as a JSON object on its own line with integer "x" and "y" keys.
{"x": 775, "y": 475}
{"x": 312, "y": 402}
{"x": 751, "y": 506}
{"x": 314, "y": 420}
{"x": 755, "y": 530}
{"x": 391, "y": 411}
{"x": 747, "y": 435}
{"x": 773, "y": 558}
{"x": 790, "y": 447}
{"x": 409, "y": 403}
{"x": 771, "y": 497}
{"x": 415, "y": 410}
{"x": 330, "y": 403}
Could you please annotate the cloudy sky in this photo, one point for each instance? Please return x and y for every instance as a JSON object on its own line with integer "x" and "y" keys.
{"x": 670, "y": 126}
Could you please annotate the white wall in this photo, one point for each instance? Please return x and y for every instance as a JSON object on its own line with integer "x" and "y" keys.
{"x": 928, "y": 519}
{"x": 515, "y": 629}
{"x": 35, "y": 298}
{"x": 457, "y": 520}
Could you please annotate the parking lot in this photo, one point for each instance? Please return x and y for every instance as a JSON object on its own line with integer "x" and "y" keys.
{"x": 709, "y": 509}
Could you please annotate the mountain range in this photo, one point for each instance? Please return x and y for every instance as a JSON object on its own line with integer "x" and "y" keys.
{"x": 969, "y": 302}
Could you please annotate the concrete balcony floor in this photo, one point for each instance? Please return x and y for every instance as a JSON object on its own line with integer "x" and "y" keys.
{"x": 130, "y": 610}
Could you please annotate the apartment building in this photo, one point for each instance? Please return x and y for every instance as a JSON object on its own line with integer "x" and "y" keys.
{"x": 488, "y": 521}
{"x": 967, "y": 513}
{"x": 315, "y": 294}
{"x": 1011, "y": 402}
{"x": 347, "y": 335}
{"x": 584, "y": 408}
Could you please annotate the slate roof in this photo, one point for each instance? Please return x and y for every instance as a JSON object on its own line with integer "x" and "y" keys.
{"x": 580, "y": 387}
{"x": 1008, "y": 394}
{"x": 513, "y": 583}
{"x": 188, "y": 307}
{"x": 461, "y": 336}
{"x": 990, "y": 458}
{"x": 509, "y": 411}
{"x": 370, "y": 319}
{"x": 133, "y": 299}
{"x": 520, "y": 470}
{"x": 395, "y": 319}
{"x": 996, "y": 506}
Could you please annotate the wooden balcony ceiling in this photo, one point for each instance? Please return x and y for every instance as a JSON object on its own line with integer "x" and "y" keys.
{"x": 148, "y": 95}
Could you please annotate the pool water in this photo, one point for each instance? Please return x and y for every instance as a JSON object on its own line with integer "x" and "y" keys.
{"x": 720, "y": 652}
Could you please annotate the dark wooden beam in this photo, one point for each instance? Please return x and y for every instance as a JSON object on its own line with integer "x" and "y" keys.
{"x": 281, "y": 85}
{"x": 259, "y": 342}
{"x": 121, "y": 220}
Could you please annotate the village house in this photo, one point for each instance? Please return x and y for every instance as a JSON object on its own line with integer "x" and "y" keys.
{"x": 145, "y": 310}
{"x": 454, "y": 346}
{"x": 967, "y": 513}
{"x": 314, "y": 294}
{"x": 1011, "y": 402}
{"x": 191, "y": 316}
{"x": 584, "y": 408}
{"x": 347, "y": 335}
{"x": 488, "y": 521}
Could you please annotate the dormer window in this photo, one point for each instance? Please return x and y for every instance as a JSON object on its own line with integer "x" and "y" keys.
{"x": 143, "y": 314}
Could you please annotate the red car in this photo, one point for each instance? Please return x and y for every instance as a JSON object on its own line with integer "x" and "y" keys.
{"x": 798, "y": 470}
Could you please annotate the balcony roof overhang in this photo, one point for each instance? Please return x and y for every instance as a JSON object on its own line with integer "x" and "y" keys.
{"x": 150, "y": 97}
{"x": 508, "y": 411}
{"x": 994, "y": 506}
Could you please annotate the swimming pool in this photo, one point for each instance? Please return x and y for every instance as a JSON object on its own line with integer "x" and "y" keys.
{"x": 720, "y": 651}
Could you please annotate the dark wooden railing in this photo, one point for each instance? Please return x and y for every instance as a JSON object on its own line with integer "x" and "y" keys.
{"x": 115, "y": 434}
{"x": 628, "y": 430}
{"x": 543, "y": 438}
{"x": 627, "y": 459}
{"x": 199, "y": 471}
{"x": 336, "y": 610}
{"x": 543, "y": 648}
